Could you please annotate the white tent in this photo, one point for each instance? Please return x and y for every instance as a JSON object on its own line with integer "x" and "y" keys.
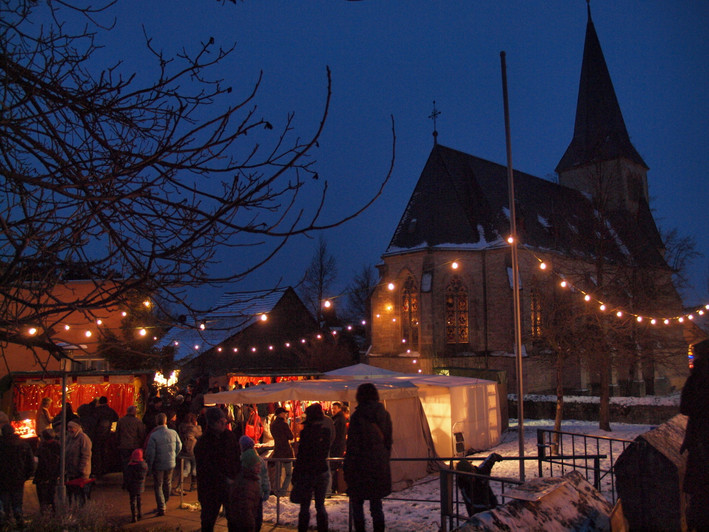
{"x": 412, "y": 437}
{"x": 452, "y": 405}
{"x": 426, "y": 410}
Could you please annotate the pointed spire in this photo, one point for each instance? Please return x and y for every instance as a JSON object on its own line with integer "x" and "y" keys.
{"x": 599, "y": 132}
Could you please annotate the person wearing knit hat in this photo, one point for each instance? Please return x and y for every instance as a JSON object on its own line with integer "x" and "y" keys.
{"x": 246, "y": 443}
{"x": 251, "y": 488}
{"x": 78, "y": 461}
{"x": 78, "y": 452}
{"x": 135, "y": 473}
{"x": 311, "y": 473}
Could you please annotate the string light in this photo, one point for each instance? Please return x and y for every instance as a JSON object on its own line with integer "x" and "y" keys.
{"x": 564, "y": 283}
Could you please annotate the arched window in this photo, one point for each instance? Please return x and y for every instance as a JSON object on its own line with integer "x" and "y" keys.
{"x": 456, "y": 312}
{"x": 536, "y": 314}
{"x": 410, "y": 313}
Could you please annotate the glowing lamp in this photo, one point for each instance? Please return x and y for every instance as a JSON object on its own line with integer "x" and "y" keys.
{"x": 602, "y": 307}
{"x": 619, "y": 314}
{"x": 390, "y": 286}
{"x": 264, "y": 317}
{"x": 510, "y": 240}
{"x": 587, "y": 298}
{"x": 142, "y": 332}
{"x": 543, "y": 266}
{"x": 67, "y": 327}
{"x": 455, "y": 265}
{"x": 87, "y": 334}
{"x": 639, "y": 319}
{"x": 32, "y": 331}
{"x": 327, "y": 304}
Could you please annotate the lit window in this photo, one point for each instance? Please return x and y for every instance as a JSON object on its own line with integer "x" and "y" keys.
{"x": 456, "y": 312}
{"x": 410, "y": 312}
{"x": 536, "y": 314}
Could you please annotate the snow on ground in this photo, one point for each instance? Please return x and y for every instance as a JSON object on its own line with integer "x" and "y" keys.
{"x": 407, "y": 514}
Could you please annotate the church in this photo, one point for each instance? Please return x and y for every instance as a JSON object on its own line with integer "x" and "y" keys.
{"x": 590, "y": 264}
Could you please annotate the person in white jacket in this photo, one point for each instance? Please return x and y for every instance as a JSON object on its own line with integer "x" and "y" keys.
{"x": 161, "y": 455}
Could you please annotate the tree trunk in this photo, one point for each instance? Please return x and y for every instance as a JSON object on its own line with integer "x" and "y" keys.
{"x": 604, "y": 410}
{"x": 559, "y": 414}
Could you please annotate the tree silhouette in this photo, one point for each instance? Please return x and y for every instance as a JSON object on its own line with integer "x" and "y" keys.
{"x": 137, "y": 185}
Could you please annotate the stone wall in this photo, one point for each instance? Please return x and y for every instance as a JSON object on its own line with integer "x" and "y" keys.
{"x": 583, "y": 411}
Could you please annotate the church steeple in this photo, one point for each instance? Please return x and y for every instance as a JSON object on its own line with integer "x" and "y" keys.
{"x": 600, "y": 135}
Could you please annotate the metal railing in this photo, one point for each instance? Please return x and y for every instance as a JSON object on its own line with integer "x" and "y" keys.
{"x": 596, "y": 461}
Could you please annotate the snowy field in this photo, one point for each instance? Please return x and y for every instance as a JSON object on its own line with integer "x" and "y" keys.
{"x": 407, "y": 515}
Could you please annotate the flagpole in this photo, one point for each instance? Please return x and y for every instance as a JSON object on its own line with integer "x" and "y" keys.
{"x": 515, "y": 272}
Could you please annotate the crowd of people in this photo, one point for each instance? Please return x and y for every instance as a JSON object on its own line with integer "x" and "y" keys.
{"x": 235, "y": 456}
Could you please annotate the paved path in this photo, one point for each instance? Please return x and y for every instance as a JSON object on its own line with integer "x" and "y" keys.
{"x": 180, "y": 514}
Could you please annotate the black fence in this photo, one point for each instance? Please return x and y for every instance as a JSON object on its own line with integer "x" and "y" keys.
{"x": 559, "y": 452}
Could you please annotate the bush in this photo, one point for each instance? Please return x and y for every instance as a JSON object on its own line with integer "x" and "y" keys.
{"x": 91, "y": 517}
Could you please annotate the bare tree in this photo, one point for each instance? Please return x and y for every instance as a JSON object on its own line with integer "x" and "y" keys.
{"x": 359, "y": 293}
{"x": 137, "y": 183}
{"x": 318, "y": 279}
{"x": 680, "y": 252}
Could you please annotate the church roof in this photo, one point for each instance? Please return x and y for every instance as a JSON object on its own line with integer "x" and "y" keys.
{"x": 461, "y": 202}
{"x": 599, "y": 131}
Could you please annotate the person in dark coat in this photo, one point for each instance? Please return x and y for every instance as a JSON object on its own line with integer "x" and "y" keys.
{"x": 337, "y": 449}
{"x": 154, "y": 408}
{"x": 57, "y": 420}
{"x": 694, "y": 403}
{"x": 130, "y": 434}
{"x": 88, "y": 419}
{"x": 16, "y": 466}
{"x": 105, "y": 418}
{"x": 47, "y": 474}
{"x": 367, "y": 468}
{"x": 282, "y": 436}
{"x": 311, "y": 473}
{"x": 217, "y": 455}
{"x": 134, "y": 479}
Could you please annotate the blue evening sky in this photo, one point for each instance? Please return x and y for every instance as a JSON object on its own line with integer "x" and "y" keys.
{"x": 392, "y": 57}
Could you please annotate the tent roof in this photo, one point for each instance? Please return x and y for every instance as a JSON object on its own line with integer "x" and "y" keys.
{"x": 313, "y": 390}
{"x": 362, "y": 371}
{"x": 341, "y": 385}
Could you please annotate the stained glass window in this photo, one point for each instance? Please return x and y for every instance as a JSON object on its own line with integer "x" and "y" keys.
{"x": 410, "y": 313}
{"x": 456, "y": 312}
{"x": 536, "y": 314}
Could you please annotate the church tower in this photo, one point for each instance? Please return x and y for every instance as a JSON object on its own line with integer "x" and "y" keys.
{"x": 600, "y": 160}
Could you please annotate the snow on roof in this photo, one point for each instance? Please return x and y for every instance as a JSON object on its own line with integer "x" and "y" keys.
{"x": 233, "y": 313}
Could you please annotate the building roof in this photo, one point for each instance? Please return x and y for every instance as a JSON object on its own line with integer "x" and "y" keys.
{"x": 599, "y": 131}
{"x": 461, "y": 202}
{"x": 233, "y": 313}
